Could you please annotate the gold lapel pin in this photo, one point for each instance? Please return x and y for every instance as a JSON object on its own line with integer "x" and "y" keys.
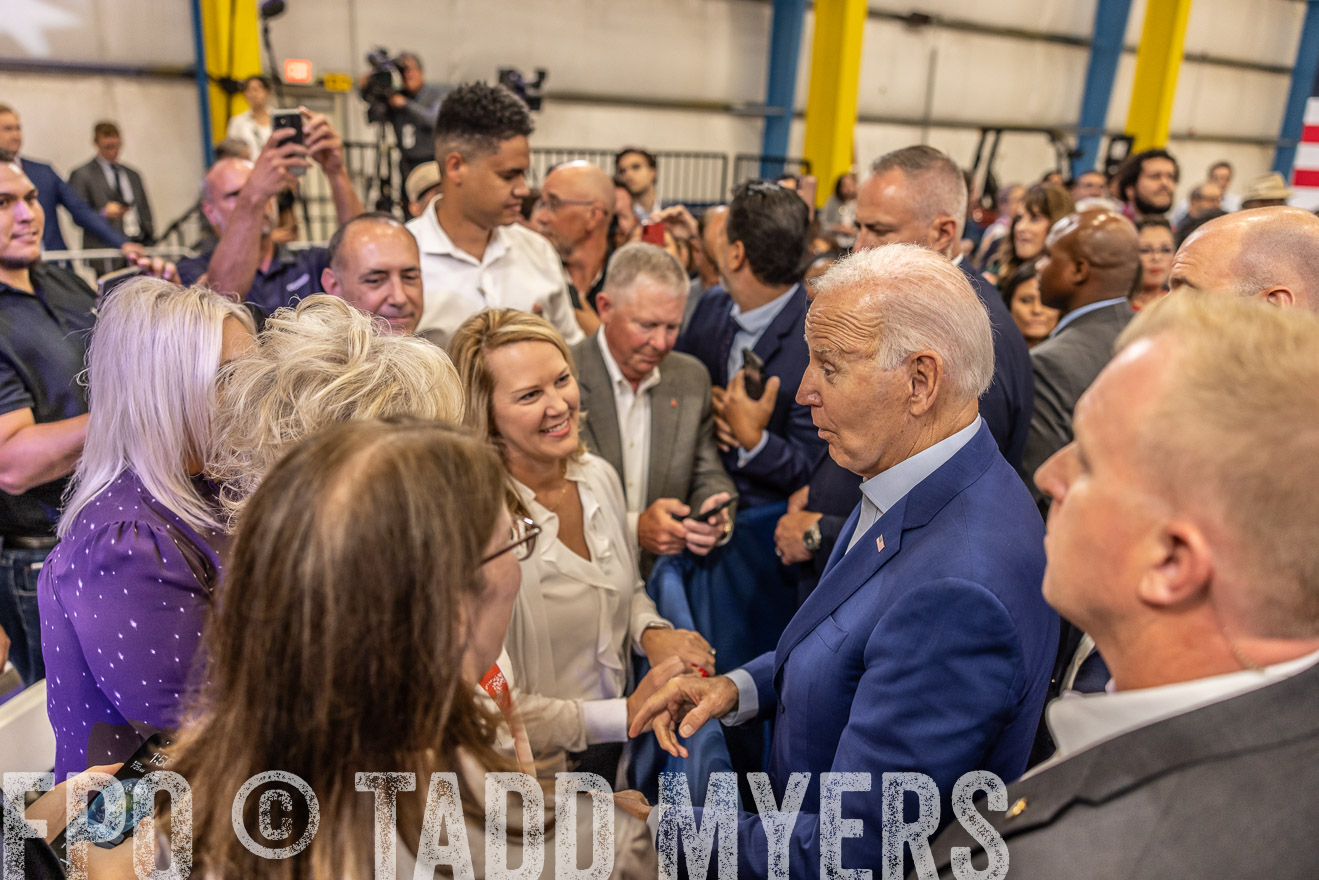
{"x": 1016, "y": 809}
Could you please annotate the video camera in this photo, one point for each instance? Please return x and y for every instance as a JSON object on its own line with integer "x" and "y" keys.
{"x": 382, "y": 83}
{"x": 528, "y": 90}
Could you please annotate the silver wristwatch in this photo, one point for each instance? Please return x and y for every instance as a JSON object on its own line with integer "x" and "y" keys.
{"x": 811, "y": 538}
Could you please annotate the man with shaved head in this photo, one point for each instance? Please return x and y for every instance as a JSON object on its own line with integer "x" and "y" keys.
{"x": 1090, "y": 264}
{"x": 1268, "y": 253}
{"x": 926, "y": 646}
{"x": 574, "y": 211}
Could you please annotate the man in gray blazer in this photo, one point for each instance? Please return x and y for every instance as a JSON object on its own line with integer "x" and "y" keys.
{"x": 1181, "y": 538}
{"x": 113, "y": 190}
{"x": 1091, "y": 263}
{"x": 654, "y": 424}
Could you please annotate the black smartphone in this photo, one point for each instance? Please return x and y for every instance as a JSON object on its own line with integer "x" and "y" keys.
{"x": 753, "y": 374}
{"x": 714, "y": 511}
{"x": 289, "y": 119}
{"x": 151, "y": 756}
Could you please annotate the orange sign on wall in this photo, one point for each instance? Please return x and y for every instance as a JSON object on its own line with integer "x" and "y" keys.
{"x": 297, "y": 70}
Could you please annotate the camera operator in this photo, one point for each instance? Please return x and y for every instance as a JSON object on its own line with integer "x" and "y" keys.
{"x": 412, "y": 114}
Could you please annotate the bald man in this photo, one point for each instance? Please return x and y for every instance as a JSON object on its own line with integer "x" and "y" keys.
{"x": 1090, "y": 264}
{"x": 575, "y": 207}
{"x": 1266, "y": 253}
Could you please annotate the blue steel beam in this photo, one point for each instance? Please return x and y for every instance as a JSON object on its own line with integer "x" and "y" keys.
{"x": 1303, "y": 83}
{"x": 1105, "y": 50}
{"x": 203, "y": 85}
{"x": 786, "y": 25}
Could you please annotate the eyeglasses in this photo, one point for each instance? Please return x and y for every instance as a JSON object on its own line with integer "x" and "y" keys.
{"x": 553, "y": 203}
{"x": 522, "y": 540}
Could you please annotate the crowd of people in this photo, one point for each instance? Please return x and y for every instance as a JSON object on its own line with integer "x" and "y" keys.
{"x": 394, "y": 503}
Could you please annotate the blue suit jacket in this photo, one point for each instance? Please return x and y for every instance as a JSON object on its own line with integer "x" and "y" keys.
{"x": 52, "y": 191}
{"x": 931, "y": 654}
{"x": 1008, "y": 404}
{"x": 793, "y": 447}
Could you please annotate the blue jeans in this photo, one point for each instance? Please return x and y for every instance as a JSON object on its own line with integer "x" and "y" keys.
{"x": 19, "y": 617}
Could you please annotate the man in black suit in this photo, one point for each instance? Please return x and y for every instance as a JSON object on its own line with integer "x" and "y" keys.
{"x": 1181, "y": 537}
{"x": 115, "y": 191}
{"x": 769, "y": 444}
{"x": 648, "y": 407}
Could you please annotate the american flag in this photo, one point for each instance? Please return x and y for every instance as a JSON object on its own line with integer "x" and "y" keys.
{"x": 1305, "y": 170}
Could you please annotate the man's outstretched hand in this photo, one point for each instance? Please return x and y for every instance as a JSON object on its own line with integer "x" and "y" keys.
{"x": 687, "y": 700}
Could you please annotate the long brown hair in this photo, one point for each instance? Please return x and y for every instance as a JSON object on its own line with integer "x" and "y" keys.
{"x": 1041, "y": 200}
{"x": 339, "y": 636}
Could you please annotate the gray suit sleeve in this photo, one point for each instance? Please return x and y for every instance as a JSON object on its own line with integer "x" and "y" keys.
{"x": 1051, "y": 422}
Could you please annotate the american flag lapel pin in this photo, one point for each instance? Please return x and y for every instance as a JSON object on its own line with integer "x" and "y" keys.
{"x": 673, "y": 401}
{"x": 879, "y": 544}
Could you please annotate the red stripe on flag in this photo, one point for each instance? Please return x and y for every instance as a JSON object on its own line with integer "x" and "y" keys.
{"x": 1306, "y": 177}
{"x": 1310, "y": 134}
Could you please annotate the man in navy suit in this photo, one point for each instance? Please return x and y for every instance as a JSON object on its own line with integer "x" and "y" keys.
{"x": 769, "y": 444}
{"x": 927, "y": 646}
{"x": 53, "y": 191}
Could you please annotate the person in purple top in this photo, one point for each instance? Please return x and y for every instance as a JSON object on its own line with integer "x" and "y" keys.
{"x": 124, "y": 595}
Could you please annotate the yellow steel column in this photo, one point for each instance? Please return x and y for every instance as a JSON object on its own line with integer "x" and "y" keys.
{"x": 231, "y": 32}
{"x": 1158, "y": 61}
{"x": 831, "y": 98}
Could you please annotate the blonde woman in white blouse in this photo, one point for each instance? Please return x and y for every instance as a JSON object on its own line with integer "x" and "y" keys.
{"x": 582, "y": 611}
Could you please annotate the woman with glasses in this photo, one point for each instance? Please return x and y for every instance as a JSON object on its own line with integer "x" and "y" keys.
{"x": 360, "y": 653}
{"x": 582, "y": 611}
{"x": 124, "y": 594}
{"x": 1156, "y": 252}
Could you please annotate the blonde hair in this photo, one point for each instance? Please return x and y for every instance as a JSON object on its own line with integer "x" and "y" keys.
{"x": 920, "y": 300}
{"x": 151, "y": 380}
{"x": 318, "y": 364}
{"x": 470, "y": 347}
{"x": 1236, "y": 436}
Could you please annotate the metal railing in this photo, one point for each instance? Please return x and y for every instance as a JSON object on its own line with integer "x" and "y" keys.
{"x": 752, "y": 166}
{"x": 695, "y": 179}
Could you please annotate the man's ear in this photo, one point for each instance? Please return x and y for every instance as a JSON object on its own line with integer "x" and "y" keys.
{"x": 329, "y": 283}
{"x": 737, "y": 255}
{"x": 1278, "y": 296}
{"x": 925, "y": 374}
{"x": 208, "y": 210}
{"x": 1080, "y": 271}
{"x": 604, "y": 306}
{"x": 943, "y": 233}
{"x": 453, "y": 168}
{"x": 1181, "y": 569}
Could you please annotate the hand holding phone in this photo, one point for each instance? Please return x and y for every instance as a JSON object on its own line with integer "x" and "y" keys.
{"x": 712, "y": 512}
{"x": 653, "y": 233}
{"x": 290, "y": 119}
{"x": 753, "y": 374}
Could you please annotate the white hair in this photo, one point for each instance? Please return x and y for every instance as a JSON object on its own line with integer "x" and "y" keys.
{"x": 919, "y": 300}
{"x": 639, "y": 260}
{"x": 152, "y": 368}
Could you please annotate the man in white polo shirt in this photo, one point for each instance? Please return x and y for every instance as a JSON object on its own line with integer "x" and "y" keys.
{"x": 473, "y": 255}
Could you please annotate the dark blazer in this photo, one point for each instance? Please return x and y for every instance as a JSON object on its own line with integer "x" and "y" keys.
{"x": 1006, "y": 406}
{"x": 927, "y": 651}
{"x": 1065, "y": 365}
{"x": 52, "y": 192}
{"x": 89, "y": 182}
{"x": 684, "y": 460}
{"x": 1223, "y": 791}
{"x": 793, "y": 446}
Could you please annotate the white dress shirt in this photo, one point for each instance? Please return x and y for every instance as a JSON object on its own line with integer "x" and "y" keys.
{"x": 576, "y": 620}
{"x": 1079, "y": 721}
{"x": 245, "y": 128}
{"x": 633, "y": 408}
{"x": 518, "y": 270}
{"x": 878, "y": 494}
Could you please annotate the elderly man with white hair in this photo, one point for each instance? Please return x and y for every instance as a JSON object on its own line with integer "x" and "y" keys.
{"x": 926, "y": 646}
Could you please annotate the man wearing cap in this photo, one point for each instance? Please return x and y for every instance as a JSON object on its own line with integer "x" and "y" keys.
{"x": 422, "y": 185}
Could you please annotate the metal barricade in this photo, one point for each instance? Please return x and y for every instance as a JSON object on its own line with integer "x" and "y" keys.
{"x": 753, "y": 166}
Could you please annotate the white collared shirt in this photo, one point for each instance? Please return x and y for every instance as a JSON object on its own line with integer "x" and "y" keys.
{"x": 518, "y": 270}
{"x": 577, "y": 620}
{"x": 633, "y": 408}
{"x": 1079, "y": 721}
{"x": 1084, "y": 310}
{"x": 887, "y": 488}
